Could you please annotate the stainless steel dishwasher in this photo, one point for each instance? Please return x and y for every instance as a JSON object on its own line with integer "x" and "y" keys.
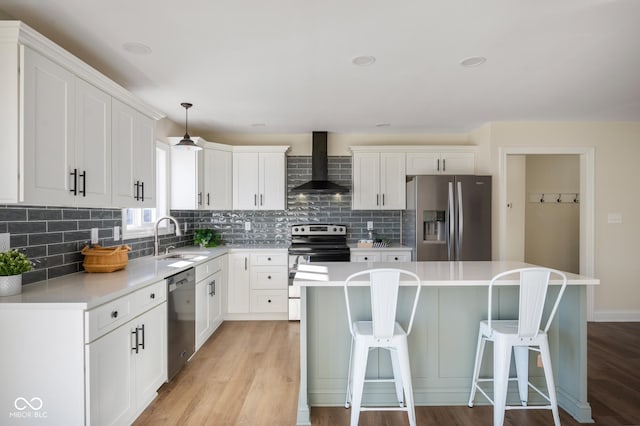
{"x": 181, "y": 316}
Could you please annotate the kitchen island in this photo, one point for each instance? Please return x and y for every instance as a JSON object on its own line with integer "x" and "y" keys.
{"x": 443, "y": 341}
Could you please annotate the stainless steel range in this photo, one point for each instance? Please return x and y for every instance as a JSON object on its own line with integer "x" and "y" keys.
{"x": 313, "y": 243}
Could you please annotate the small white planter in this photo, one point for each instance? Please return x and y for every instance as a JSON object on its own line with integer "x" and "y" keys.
{"x": 10, "y": 285}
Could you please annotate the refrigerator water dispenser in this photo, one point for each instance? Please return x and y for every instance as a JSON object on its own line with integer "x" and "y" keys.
{"x": 434, "y": 225}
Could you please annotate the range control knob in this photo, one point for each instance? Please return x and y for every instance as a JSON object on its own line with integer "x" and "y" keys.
{"x": 335, "y": 229}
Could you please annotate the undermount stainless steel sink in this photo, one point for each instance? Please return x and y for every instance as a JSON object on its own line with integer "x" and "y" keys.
{"x": 183, "y": 256}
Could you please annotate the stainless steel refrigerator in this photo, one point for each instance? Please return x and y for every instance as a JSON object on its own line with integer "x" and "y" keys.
{"x": 448, "y": 217}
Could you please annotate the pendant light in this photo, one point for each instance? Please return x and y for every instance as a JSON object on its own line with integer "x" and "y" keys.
{"x": 186, "y": 143}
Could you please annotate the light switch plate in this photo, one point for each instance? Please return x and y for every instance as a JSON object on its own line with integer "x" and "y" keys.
{"x": 5, "y": 241}
{"x": 94, "y": 235}
{"x": 116, "y": 233}
{"x": 614, "y": 218}
{"x": 370, "y": 225}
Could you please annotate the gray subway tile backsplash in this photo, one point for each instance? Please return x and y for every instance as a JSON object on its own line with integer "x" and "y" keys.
{"x": 54, "y": 236}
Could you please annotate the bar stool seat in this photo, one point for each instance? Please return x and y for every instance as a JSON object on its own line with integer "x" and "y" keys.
{"x": 384, "y": 332}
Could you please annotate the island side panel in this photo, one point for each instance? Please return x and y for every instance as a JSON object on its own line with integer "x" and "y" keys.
{"x": 442, "y": 344}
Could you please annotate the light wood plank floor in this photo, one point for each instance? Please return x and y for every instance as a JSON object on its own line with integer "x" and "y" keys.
{"x": 247, "y": 374}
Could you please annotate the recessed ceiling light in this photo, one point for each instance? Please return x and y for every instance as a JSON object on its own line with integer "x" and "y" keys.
{"x": 473, "y": 61}
{"x": 258, "y": 125}
{"x": 363, "y": 61}
{"x": 383, "y": 125}
{"x": 137, "y": 48}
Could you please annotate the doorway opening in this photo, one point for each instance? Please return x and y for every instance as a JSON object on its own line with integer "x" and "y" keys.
{"x": 546, "y": 209}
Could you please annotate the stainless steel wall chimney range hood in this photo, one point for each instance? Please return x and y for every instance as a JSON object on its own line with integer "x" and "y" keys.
{"x": 319, "y": 183}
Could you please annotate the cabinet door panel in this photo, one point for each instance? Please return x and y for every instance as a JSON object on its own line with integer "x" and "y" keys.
{"x": 123, "y": 134}
{"x": 238, "y": 284}
{"x": 458, "y": 163}
{"x": 423, "y": 163}
{"x": 272, "y": 181}
{"x": 184, "y": 179}
{"x": 366, "y": 181}
{"x": 202, "y": 312}
{"x": 93, "y": 147}
{"x": 151, "y": 361}
{"x": 49, "y": 142}
{"x": 245, "y": 181}
{"x": 144, "y": 154}
{"x": 392, "y": 181}
{"x": 110, "y": 379}
{"x": 217, "y": 180}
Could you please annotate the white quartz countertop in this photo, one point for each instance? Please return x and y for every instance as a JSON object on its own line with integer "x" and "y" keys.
{"x": 435, "y": 274}
{"x": 86, "y": 290}
{"x": 391, "y": 247}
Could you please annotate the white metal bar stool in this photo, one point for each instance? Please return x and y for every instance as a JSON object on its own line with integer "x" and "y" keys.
{"x": 383, "y": 331}
{"x": 521, "y": 335}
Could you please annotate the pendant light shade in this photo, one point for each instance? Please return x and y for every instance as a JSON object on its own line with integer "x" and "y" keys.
{"x": 186, "y": 143}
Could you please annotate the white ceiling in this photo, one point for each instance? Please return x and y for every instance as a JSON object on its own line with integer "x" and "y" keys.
{"x": 288, "y": 63}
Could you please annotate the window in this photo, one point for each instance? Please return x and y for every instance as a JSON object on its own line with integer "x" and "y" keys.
{"x": 139, "y": 222}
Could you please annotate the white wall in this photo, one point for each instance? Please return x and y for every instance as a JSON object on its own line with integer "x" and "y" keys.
{"x": 617, "y": 150}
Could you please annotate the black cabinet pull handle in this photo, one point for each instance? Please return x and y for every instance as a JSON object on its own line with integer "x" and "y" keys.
{"x": 383, "y": 199}
{"x": 114, "y": 314}
{"x": 137, "y": 344}
{"x": 377, "y": 199}
{"x": 438, "y": 166}
{"x": 269, "y": 277}
{"x": 269, "y": 300}
{"x": 366, "y": 258}
{"x": 208, "y": 199}
{"x": 142, "y": 331}
{"x": 152, "y": 296}
{"x": 83, "y": 175}
{"x": 261, "y": 199}
{"x": 142, "y": 184}
{"x": 444, "y": 165}
{"x": 255, "y": 199}
{"x": 74, "y": 173}
{"x": 396, "y": 258}
{"x": 268, "y": 258}
{"x": 137, "y": 189}
{"x": 199, "y": 198}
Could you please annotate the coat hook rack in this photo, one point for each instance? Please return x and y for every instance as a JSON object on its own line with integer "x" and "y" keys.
{"x": 558, "y": 197}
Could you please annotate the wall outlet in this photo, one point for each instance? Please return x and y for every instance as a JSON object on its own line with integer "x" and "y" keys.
{"x": 370, "y": 225}
{"x": 247, "y": 226}
{"x": 116, "y": 233}
{"x": 5, "y": 241}
{"x": 94, "y": 235}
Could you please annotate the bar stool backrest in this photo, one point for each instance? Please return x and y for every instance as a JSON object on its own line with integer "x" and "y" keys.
{"x": 534, "y": 284}
{"x": 384, "y": 285}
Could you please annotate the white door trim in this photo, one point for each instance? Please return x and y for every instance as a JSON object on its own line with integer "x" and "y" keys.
{"x": 587, "y": 188}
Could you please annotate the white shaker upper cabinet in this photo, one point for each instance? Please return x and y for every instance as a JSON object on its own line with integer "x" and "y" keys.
{"x": 259, "y": 179}
{"x": 379, "y": 181}
{"x": 133, "y": 154}
{"x": 217, "y": 193}
{"x": 441, "y": 162}
{"x": 49, "y": 130}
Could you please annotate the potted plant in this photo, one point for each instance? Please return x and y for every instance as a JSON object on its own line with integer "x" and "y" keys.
{"x": 12, "y": 265}
{"x": 205, "y": 237}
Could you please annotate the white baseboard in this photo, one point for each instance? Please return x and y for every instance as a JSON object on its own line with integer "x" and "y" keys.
{"x": 616, "y": 316}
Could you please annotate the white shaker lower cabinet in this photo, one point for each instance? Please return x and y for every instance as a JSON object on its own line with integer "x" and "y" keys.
{"x": 102, "y": 366}
{"x": 209, "y": 288}
{"x": 389, "y": 254}
{"x": 126, "y": 366}
{"x": 125, "y": 369}
{"x": 257, "y": 284}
